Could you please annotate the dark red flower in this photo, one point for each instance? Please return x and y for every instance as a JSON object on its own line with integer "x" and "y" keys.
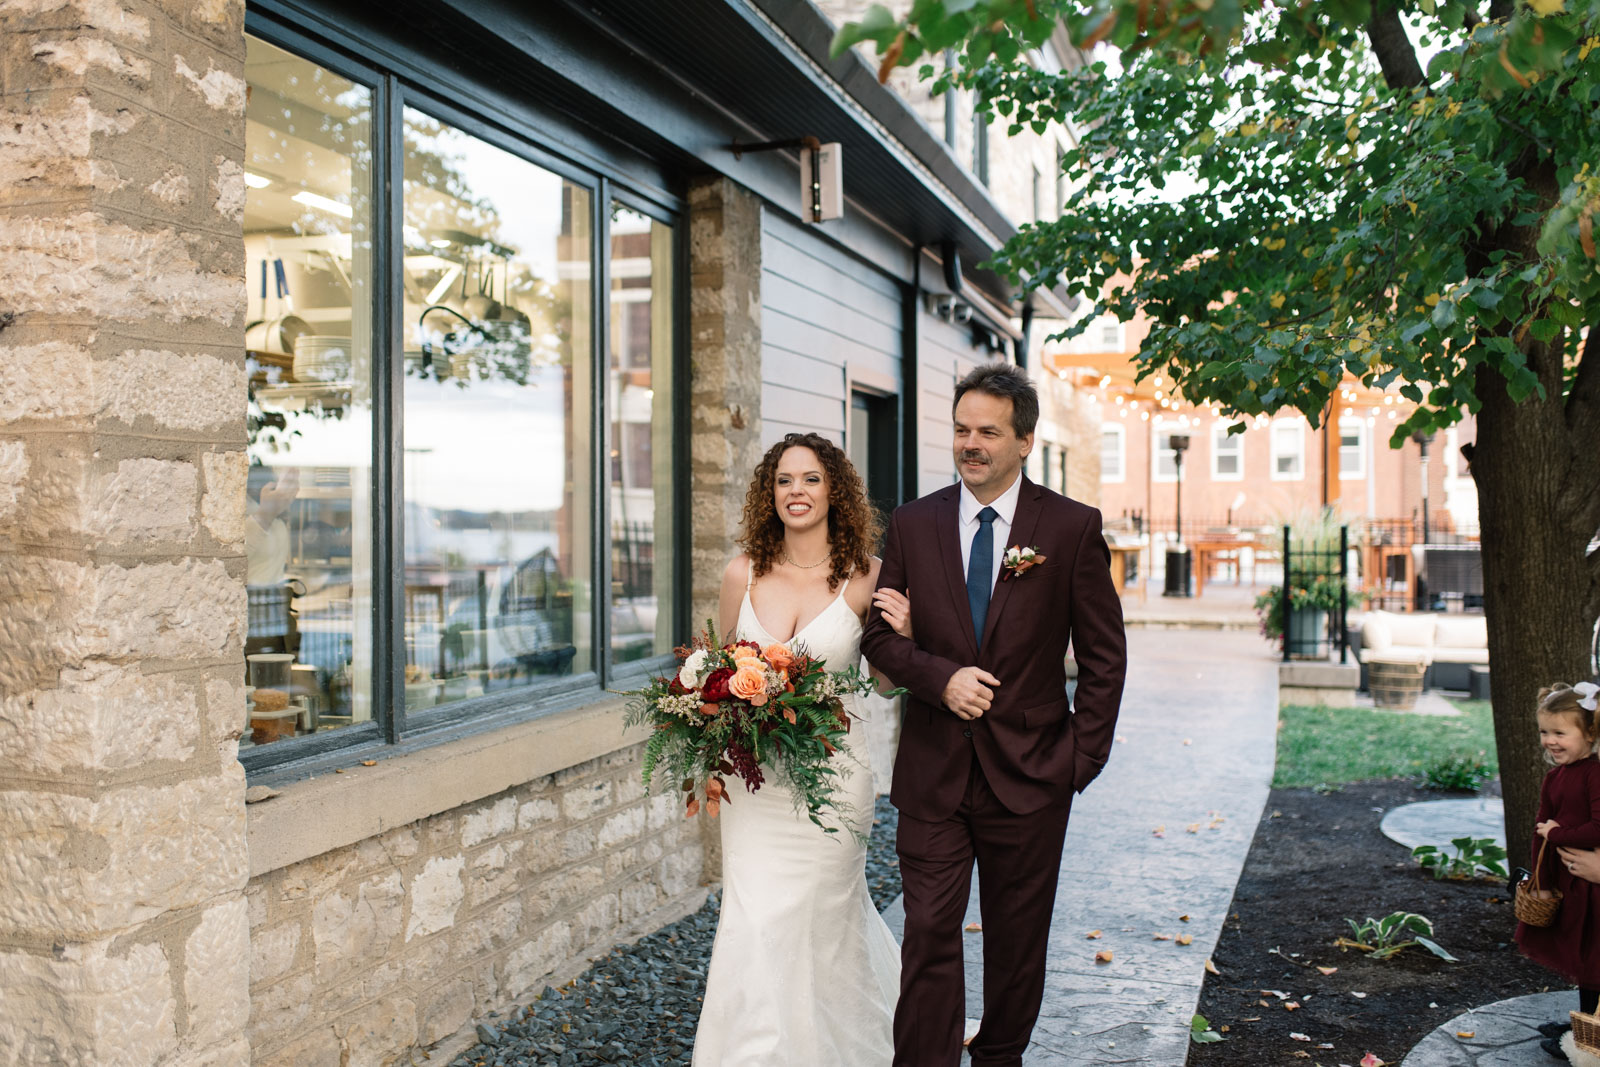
{"x": 715, "y": 689}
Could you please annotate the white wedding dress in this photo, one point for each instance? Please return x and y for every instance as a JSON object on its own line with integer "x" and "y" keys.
{"x": 804, "y": 972}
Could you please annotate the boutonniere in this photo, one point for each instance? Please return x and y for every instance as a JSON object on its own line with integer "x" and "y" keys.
{"x": 1018, "y": 561}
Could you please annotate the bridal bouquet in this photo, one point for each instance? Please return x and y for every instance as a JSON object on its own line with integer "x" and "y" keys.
{"x": 732, "y": 707}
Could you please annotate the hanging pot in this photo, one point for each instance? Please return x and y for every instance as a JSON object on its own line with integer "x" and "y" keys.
{"x": 276, "y": 336}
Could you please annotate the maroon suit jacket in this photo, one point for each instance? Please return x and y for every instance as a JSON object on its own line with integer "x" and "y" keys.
{"x": 1034, "y": 748}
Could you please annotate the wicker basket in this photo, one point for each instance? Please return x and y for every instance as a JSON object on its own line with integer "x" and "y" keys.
{"x": 1536, "y": 911}
{"x": 1586, "y": 1032}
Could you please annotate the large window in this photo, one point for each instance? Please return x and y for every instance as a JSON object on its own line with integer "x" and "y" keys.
{"x": 308, "y": 225}
{"x": 461, "y": 417}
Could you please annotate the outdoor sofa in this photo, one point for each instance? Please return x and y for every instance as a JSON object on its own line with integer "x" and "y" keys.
{"x": 1450, "y": 644}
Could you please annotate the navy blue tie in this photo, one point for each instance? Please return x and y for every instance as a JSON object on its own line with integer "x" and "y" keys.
{"x": 980, "y": 570}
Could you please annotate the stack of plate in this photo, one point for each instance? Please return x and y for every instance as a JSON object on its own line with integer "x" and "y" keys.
{"x": 321, "y": 358}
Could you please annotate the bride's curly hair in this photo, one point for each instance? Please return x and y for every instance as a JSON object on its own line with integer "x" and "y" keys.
{"x": 854, "y": 528}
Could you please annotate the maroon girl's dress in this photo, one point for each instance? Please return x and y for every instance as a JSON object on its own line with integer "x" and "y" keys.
{"x": 1571, "y": 947}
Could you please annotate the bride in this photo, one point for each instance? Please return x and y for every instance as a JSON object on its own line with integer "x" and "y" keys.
{"x": 804, "y": 971}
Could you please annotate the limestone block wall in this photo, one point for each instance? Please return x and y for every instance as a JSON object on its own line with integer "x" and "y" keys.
{"x": 363, "y": 952}
{"x": 124, "y": 935}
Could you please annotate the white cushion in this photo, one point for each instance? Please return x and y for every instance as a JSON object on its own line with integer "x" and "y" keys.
{"x": 1399, "y": 653}
{"x": 1415, "y": 630}
{"x": 1447, "y": 654}
{"x": 1461, "y": 631}
{"x": 1375, "y": 633}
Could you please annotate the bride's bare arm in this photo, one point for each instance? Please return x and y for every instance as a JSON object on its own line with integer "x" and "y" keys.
{"x": 731, "y": 597}
{"x": 873, "y": 598}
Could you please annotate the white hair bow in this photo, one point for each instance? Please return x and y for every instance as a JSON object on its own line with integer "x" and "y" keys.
{"x": 1587, "y": 695}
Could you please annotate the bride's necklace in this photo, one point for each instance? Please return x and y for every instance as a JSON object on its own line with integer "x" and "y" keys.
{"x": 805, "y": 566}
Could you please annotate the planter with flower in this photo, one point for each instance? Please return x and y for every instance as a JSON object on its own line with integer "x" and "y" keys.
{"x": 732, "y": 708}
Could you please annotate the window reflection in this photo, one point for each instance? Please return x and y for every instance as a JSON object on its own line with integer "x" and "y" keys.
{"x": 308, "y": 531}
{"x": 640, "y": 392}
{"x": 496, "y": 432}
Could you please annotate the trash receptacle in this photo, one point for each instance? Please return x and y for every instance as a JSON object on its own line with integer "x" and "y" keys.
{"x": 1179, "y": 563}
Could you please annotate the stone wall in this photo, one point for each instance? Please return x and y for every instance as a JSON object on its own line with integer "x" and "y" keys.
{"x": 123, "y": 926}
{"x": 360, "y": 953}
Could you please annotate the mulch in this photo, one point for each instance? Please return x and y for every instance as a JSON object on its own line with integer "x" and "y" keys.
{"x": 1318, "y": 859}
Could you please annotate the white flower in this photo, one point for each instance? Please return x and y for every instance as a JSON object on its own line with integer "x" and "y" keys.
{"x": 691, "y": 674}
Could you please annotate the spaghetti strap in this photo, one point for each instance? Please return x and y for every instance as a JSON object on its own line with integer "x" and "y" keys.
{"x": 749, "y": 574}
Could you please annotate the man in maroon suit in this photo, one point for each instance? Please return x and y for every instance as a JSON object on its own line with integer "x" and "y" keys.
{"x": 990, "y": 750}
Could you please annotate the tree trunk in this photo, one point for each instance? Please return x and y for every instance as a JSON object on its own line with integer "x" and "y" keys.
{"x": 1536, "y": 580}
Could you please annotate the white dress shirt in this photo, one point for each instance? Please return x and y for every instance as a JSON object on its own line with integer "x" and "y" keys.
{"x": 1005, "y": 506}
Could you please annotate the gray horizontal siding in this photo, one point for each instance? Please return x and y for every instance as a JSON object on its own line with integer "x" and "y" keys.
{"x": 823, "y": 314}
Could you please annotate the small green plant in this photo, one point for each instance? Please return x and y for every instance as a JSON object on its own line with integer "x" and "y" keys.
{"x": 1472, "y": 854}
{"x": 1200, "y": 1031}
{"x": 1461, "y": 772}
{"x": 1383, "y": 937}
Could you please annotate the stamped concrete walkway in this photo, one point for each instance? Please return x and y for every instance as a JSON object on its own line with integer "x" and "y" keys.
{"x": 1197, "y": 743}
{"x": 1501, "y": 1034}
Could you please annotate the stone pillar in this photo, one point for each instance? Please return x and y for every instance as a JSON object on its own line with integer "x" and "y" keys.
{"x": 123, "y": 929}
{"x": 725, "y": 391}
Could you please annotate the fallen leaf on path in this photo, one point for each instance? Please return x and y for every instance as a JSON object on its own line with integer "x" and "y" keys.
{"x": 1252, "y": 1019}
{"x": 1299, "y": 1037}
{"x": 1369, "y": 1060}
{"x": 1302, "y": 1055}
{"x": 1359, "y": 996}
{"x": 1193, "y": 828}
{"x": 1211, "y": 968}
{"x": 1280, "y": 994}
{"x": 1328, "y": 970}
{"x": 1121, "y": 740}
{"x": 1326, "y": 1044}
{"x": 1188, "y": 740}
{"x": 973, "y": 928}
{"x": 1183, "y": 918}
{"x": 1093, "y": 935}
{"x": 1185, "y": 939}
{"x": 1466, "y": 1033}
{"x": 1161, "y": 937}
{"x": 369, "y": 763}
{"x": 1160, "y": 831}
{"x": 1103, "y": 956}
{"x": 1292, "y": 1005}
{"x": 1263, "y": 1003}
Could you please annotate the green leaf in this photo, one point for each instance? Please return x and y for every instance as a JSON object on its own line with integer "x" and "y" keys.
{"x": 1434, "y": 948}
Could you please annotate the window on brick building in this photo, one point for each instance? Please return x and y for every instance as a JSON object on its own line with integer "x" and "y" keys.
{"x": 1288, "y": 450}
{"x": 1352, "y": 449}
{"x": 1113, "y": 453}
{"x": 1227, "y": 454}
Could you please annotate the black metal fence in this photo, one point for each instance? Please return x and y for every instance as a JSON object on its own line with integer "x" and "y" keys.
{"x": 1315, "y": 573}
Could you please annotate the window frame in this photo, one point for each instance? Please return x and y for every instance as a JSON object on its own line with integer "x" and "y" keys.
{"x": 1121, "y": 433}
{"x": 395, "y": 87}
{"x": 1299, "y": 426}
{"x": 1219, "y": 433}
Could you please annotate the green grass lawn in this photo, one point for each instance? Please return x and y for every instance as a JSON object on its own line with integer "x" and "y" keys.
{"x": 1331, "y": 746}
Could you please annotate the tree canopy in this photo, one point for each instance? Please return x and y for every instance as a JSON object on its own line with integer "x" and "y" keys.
{"x": 1403, "y": 191}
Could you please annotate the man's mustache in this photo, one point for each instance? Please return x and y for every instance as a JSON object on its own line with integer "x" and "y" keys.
{"x": 974, "y": 457}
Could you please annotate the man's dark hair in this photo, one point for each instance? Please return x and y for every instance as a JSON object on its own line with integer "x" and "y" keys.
{"x": 1006, "y": 381}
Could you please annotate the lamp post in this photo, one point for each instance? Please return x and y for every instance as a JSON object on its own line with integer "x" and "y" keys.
{"x": 1178, "y": 558}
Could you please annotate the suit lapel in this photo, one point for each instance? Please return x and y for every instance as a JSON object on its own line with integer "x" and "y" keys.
{"x": 1029, "y": 504}
{"x": 948, "y": 523}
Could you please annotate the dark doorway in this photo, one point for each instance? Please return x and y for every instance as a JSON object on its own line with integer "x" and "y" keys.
{"x": 875, "y": 447}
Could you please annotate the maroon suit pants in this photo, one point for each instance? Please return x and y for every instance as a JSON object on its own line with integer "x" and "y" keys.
{"x": 1019, "y": 864}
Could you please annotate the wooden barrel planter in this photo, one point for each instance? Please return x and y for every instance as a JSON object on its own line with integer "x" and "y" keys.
{"x": 1395, "y": 683}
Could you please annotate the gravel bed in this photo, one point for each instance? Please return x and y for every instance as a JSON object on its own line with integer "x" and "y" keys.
{"x": 639, "y": 1003}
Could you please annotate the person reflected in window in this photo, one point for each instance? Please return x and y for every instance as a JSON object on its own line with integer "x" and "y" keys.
{"x": 266, "y": 534}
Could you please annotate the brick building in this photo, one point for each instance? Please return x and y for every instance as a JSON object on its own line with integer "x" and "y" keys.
{"x": 379, "y": 392}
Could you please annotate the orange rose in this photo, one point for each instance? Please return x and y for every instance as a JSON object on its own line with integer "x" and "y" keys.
{"x": 749, "y": 683}
{"x": 779, "y": 656}
{"x": 751, "y": 660}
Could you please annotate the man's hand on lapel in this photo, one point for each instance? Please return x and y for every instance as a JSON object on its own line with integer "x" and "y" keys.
{"x": 968, "y": 693}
